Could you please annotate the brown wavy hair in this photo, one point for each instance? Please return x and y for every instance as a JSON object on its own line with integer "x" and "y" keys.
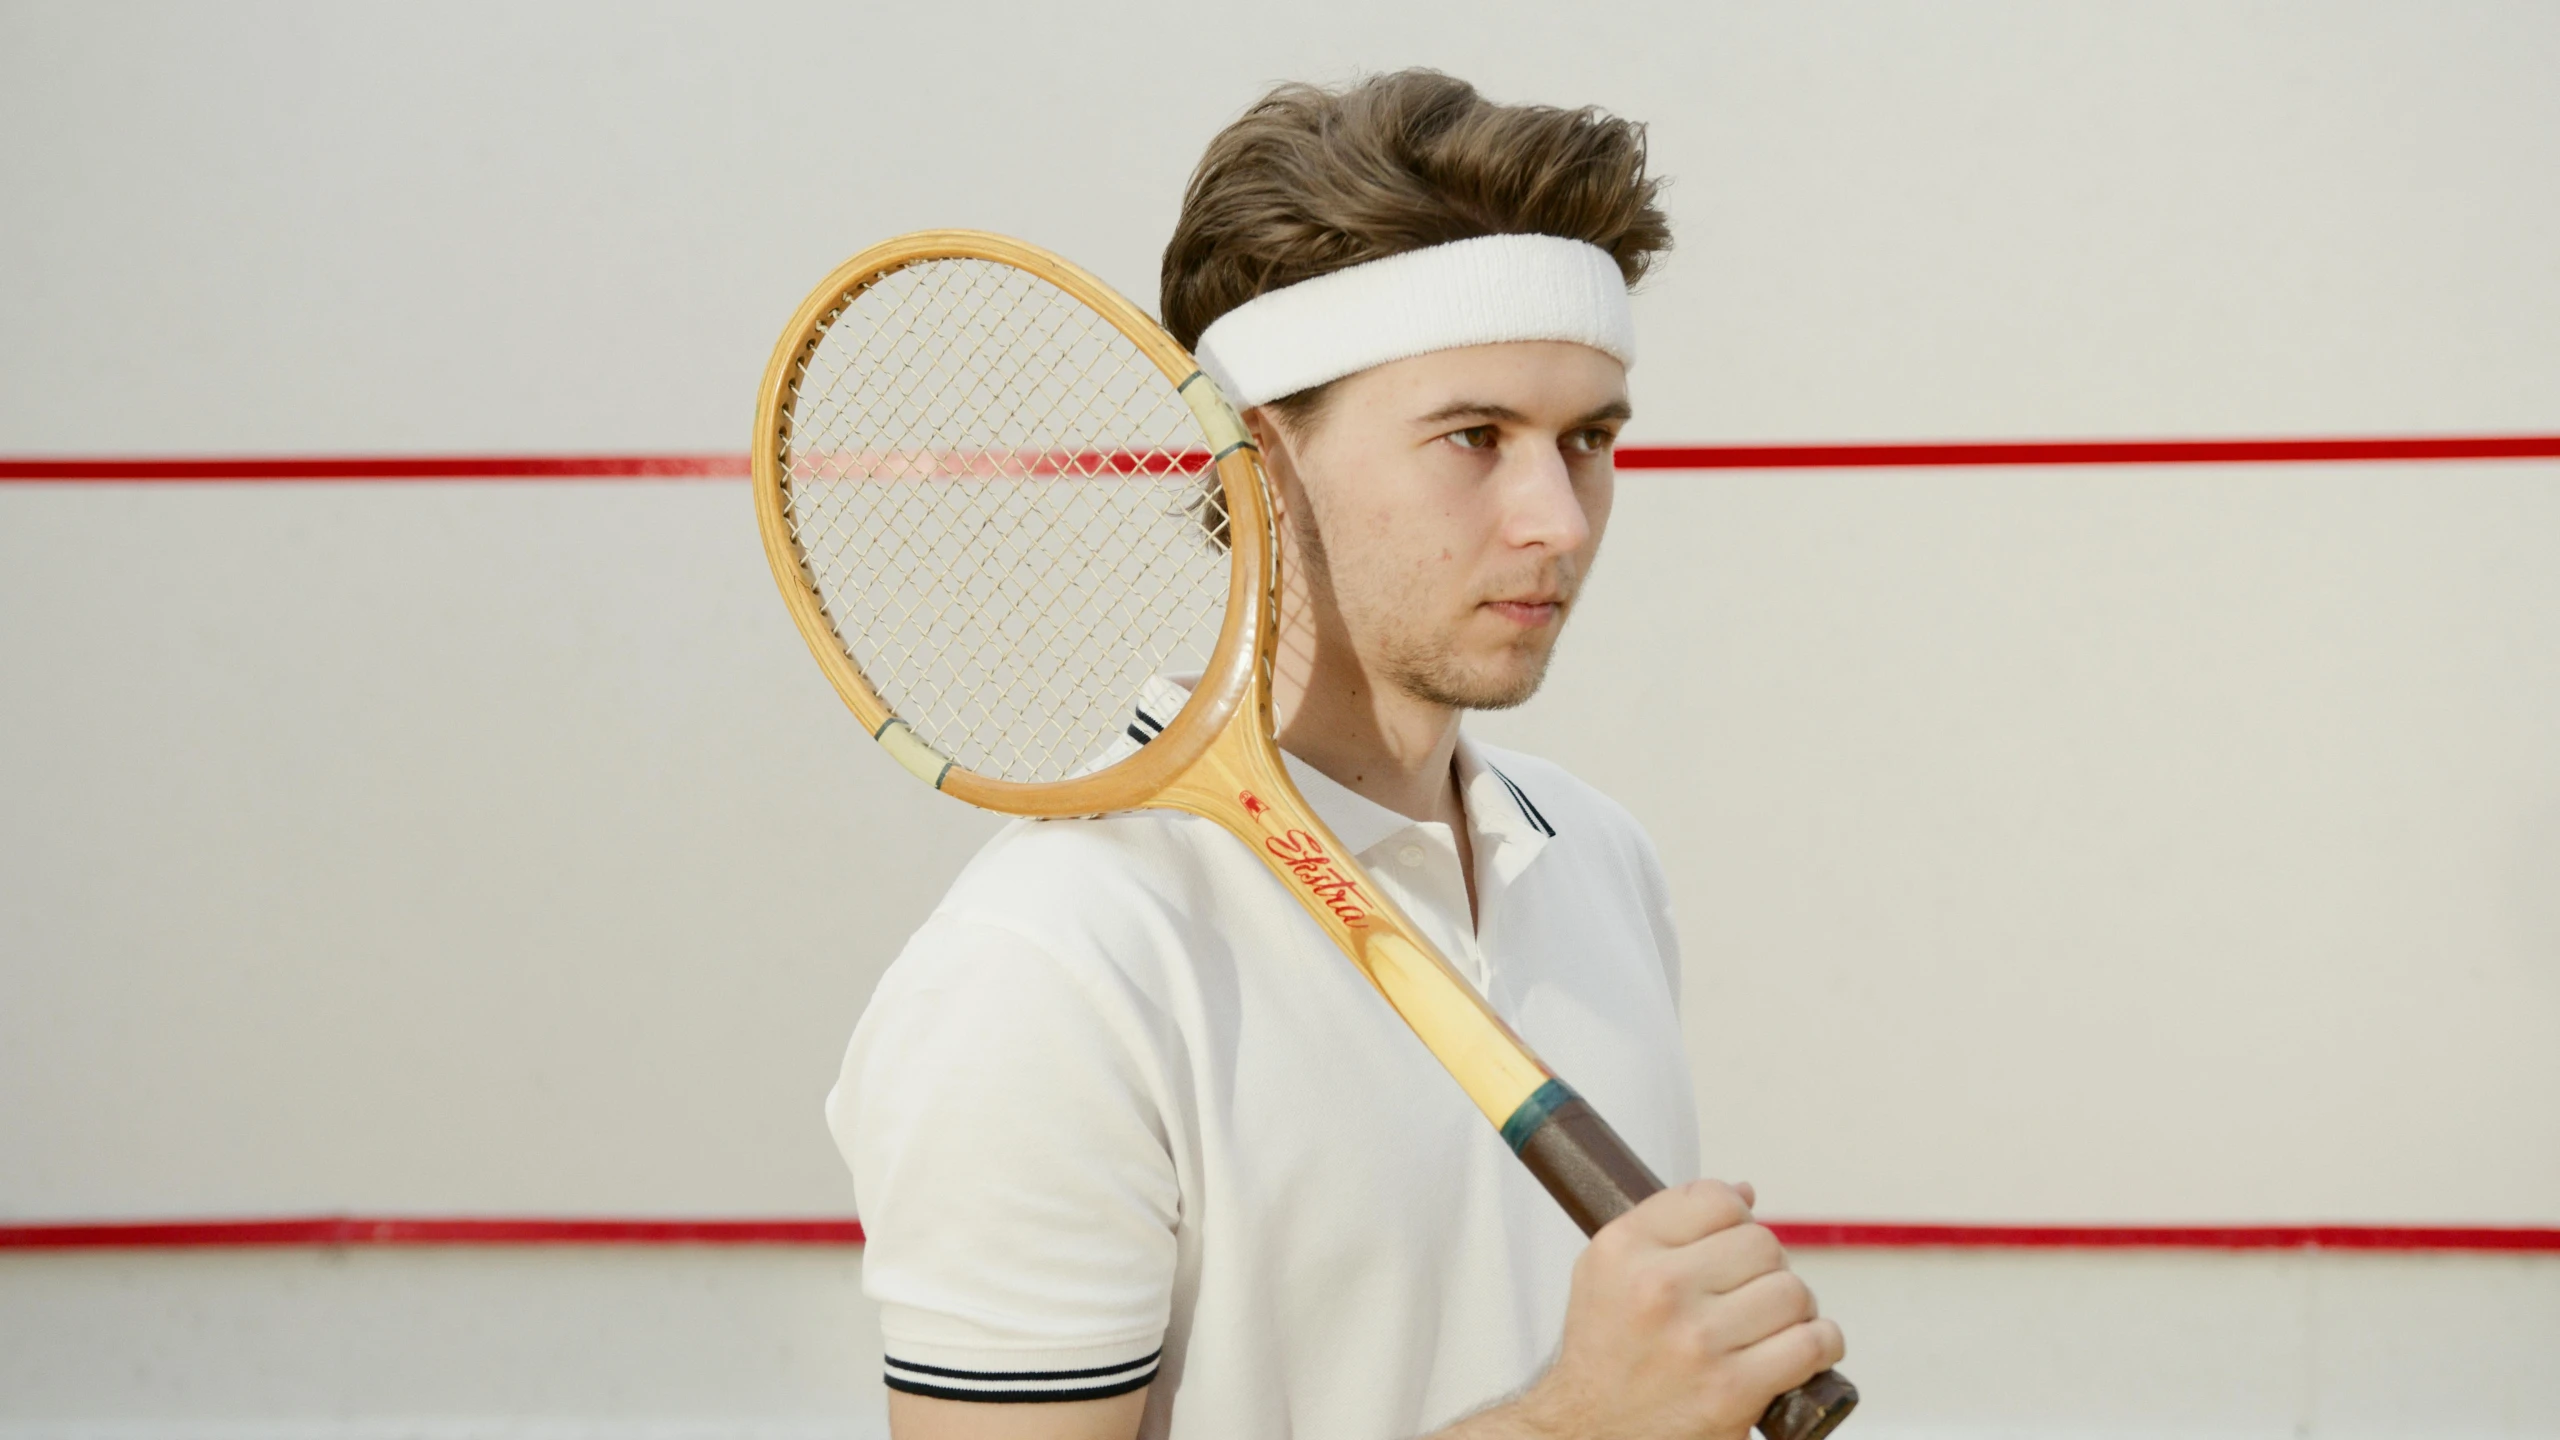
{"x": 1311, "y": 180}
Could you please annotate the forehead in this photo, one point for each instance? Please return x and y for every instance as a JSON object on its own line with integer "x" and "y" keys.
{"x": 1545, "y": 381}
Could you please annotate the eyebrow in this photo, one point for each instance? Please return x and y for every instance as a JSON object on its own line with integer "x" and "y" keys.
{"x": 1490, "y": 410}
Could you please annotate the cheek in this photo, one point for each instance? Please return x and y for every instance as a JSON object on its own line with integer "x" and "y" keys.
{"x": 1399, "y": 538}
{"x": 1433, "y": 543}
{"x": 1393, "y": 565}
{"x": 1598, "y": 499}
{"x": 1402, "y": 539}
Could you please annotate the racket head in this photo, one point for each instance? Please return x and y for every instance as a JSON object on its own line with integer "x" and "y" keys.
{"x": 996, "y": 497}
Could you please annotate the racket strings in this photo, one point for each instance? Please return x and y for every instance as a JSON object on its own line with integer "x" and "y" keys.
{"x": 1006, "y": 511}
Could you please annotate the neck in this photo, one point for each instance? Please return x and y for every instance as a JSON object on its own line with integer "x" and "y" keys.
{"x": 1334, "y": 711}
{"x": 1374, "y": 741}
{"x": 1365, "y": 734}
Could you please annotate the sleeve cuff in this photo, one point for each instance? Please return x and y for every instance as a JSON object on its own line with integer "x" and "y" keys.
{"x": 1033, "y": 1376}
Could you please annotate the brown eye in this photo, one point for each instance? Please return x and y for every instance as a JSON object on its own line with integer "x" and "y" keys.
{"x": 1594, "y": 441}
{"x": 1474, "y": 437}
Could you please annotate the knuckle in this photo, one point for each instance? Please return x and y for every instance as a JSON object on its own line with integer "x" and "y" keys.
{"x": 1606, "y": 1250}
{"x": 1655, "y": 1293}
{"x": 1696, "y": 1346}
{"x": 1815, "y": 1346}
{"x": 1760, "y": 1248}
{"x": 1796, "y": 1295}
{"x": 1723, "y": 1197}
{"x": 1595, "y": 1255}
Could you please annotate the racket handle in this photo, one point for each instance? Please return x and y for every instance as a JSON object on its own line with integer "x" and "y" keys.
{"x": 1596, "y": 1178}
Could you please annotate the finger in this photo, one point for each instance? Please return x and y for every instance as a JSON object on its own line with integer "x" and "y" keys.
{"x": 1789, "y": 1358}
{"x": 1685, "y": 1214}
{"x": 1759, "y": 1309}
{"x": 1750, "y": 1196}
{"x": 1732, "y": 1258}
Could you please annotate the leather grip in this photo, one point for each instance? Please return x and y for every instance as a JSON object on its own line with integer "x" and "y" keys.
{"x": 1596, "y": 1178}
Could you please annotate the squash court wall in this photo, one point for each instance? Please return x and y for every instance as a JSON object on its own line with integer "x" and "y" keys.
{"x": 2051, "y": 845}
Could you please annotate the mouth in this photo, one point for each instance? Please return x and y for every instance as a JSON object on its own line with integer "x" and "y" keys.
{"x": 1528, "y": 612}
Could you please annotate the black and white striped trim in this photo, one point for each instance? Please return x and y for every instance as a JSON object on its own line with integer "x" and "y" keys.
{"x": 1007, "y": 1386}
{"x": 1146, "y": 727}
{"x": 1528, "y": 811}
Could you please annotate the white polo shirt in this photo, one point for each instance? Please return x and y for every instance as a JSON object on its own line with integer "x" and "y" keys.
{"x": 1121, "y": 1115}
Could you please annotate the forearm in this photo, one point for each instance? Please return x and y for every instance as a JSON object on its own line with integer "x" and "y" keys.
{"x": 1501, "y": 1422}
{"x": 1527, "y": 1415}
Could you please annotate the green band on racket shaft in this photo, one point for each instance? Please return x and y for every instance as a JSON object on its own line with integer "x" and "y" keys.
{"x": 1533, "y": 1112}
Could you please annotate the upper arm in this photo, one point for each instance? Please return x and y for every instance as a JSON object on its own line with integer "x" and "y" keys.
{"x": 922, "y": 1417}
{"x": 1015, "y": 1181}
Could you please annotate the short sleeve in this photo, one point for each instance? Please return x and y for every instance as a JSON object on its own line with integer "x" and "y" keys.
{"x": 1012, "y": 1172}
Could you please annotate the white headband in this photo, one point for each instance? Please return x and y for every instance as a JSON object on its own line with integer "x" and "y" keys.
{"x": 1467, "y": 292}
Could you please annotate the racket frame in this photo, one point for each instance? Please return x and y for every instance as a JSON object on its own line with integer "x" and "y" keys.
{"x": 1219, "y": 758}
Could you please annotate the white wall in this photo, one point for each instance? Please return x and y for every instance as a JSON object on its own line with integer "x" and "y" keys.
{"x": 2050, "y": 845}
{"x": 773, "y": 1345}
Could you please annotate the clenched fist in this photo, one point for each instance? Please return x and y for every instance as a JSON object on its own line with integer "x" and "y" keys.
{"x": 1684, "y": 1323}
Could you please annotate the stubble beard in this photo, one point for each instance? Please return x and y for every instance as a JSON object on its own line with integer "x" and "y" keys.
{"x": 1435, "y": 676}
{"x": 1425, "y": 665}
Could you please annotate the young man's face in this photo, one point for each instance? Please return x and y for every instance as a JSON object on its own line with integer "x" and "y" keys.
{"x": 1447, "y": 508}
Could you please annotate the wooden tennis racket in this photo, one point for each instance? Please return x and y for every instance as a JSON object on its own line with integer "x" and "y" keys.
{"x": 998, "y": 498}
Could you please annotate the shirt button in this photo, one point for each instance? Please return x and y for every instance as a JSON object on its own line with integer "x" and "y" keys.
{"x": 1411, "y": 855}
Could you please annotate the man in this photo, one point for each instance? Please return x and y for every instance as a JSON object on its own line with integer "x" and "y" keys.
{"x": 1139, "y": 1153}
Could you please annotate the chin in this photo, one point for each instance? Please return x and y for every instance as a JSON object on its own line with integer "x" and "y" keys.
{"x": 1444, "y": 670}
{"x": 1487, "y": 687}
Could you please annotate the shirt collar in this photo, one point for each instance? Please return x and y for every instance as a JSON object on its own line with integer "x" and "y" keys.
{"x": 1503, "y": 823}
{"x": 1501, "y": 815}
{"x": 1358, "y": 821}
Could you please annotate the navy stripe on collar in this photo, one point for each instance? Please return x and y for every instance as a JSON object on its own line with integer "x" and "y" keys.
{"x": 1145, "y": 728}
{"x": 1528, "y": 811}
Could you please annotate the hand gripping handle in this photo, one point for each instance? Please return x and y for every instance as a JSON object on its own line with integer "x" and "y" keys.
{"x": 1596, "y": 1178}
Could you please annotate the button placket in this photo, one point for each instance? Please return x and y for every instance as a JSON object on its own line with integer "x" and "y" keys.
{"x": 1453, "y": 892}
{"x": 1489, "y": 892}
{"x": 1421, "y": 866}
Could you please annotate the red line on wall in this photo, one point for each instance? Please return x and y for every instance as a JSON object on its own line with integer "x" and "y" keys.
{"x": 1887, "y": 1234}
{"x": 325, "y": 1230}
{"x": 1872, "y": 456}
{"x": 422, "y": 1230}
{"x": 217, "y": 468}
{"x": 1862, "y": 456}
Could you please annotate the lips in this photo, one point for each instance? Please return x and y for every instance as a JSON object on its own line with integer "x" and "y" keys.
{"x": 1527, "y": 612}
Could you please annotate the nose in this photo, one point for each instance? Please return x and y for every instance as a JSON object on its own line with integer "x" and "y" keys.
{"x": 1542, "y": 509}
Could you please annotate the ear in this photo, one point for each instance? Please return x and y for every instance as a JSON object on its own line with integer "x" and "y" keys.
{"x": 1278, "y": 460}
{"x": 1264, "y": 426}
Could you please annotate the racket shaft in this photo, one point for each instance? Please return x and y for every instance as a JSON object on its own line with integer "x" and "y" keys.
{"x": 1597, "y": 1178}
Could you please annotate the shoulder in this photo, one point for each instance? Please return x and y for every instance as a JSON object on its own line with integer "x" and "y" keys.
{"x": 1048, "y": 977}
{"x": 1003, "y": 1110}
{"x": 1120, "y": 884}
{"x": 1059, "y": 918}
{"x": 1081, "y": 867}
